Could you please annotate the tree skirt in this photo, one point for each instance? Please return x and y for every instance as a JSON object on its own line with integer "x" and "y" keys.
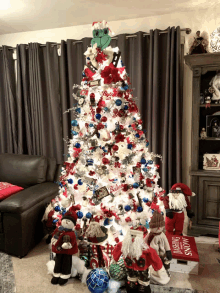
{"x": 7, "y": 278}
{"x": 163, "y": 289}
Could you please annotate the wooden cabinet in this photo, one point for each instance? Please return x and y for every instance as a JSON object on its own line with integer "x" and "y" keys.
{"x": 205, "y": 183}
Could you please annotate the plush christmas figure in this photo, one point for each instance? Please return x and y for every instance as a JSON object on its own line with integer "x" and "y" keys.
{"x": 158, "y": 240}
{"x": 138, "y": 257}
{"x": 64, "y": 245}
{"x": 175, "y": 203}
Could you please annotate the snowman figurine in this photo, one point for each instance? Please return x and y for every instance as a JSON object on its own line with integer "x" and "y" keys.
{"x": 64, "y": 244}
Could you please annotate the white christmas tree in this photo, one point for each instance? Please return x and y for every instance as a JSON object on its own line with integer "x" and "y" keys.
{"x": 109, "y": 173}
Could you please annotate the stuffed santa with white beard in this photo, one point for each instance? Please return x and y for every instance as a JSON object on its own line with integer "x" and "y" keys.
{"x": 175, "y": 203}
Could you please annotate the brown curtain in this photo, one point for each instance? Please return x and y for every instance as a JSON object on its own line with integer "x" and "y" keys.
{"x": 8, "y": 104}
{"x": 38, "y": 89}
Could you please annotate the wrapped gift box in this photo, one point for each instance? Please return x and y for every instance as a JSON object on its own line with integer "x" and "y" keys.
{"x": 185, "y": 254}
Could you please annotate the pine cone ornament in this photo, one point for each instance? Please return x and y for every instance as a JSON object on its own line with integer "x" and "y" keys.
{"x": 117, "y": 271}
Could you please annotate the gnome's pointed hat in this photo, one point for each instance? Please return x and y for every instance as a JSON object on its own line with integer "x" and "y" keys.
{"x": 181, "y": 187}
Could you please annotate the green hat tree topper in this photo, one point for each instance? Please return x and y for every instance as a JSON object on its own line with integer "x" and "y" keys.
{"x": 101, "y": 34}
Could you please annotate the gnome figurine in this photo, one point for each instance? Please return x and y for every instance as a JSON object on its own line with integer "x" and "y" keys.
{"x": 175, "y": 203}
{"x": 158, "y": 240}
{"x": 64, "y": 245}
{"x": 138, "y": 257}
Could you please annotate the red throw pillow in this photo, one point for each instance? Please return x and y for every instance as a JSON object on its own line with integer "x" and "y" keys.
{"x": 7, "y": 189}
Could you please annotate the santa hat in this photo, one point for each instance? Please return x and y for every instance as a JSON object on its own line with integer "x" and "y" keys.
{"x": 157, "y": 220}
{"x": 71, "y": 215}
{"x": 98, "y": 25}
{"x": 182, "y": 188}
{"x": 142, "y": 229}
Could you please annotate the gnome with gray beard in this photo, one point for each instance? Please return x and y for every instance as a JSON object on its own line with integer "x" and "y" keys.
{"x": 175, "y": 202}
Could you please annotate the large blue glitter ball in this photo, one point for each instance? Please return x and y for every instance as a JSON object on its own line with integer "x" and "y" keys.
{"x": 77, "y": 145}
{"x": 97, "y": 280}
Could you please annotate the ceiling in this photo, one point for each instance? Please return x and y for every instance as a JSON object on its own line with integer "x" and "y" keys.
{"x": 31, "y": 15}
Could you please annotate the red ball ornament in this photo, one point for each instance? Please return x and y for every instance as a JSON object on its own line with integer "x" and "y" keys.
{"x": 105, "y": 161}
{"x": 157, "y": 166}
{"x": 98, "y": 110}
{"x": 115, "y": 111}
{"x": 92, "y": 95}
{"x": 140, "y": 121}
{"x": 91, "y": 173}
{"x": 76, "y": 186}
{"x": 115, "y": 148}
{"x": 104, "y": 119}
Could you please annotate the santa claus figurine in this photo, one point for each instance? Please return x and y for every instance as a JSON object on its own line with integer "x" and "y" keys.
{"x": 158, "y": 240}
{"x": 175, "y": 203}
{"x": 138, "y": 257}
{"x": 64, "y": 245}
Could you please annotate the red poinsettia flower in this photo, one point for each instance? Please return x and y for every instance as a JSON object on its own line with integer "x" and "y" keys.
{"x": 100, "y": 56}
{"x": 110, "y": 74}
{"x": 119, "y": 137}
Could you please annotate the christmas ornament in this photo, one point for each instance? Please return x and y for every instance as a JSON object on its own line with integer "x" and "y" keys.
{"x": 118, "y": 271}
{"x": 97, "y": 280}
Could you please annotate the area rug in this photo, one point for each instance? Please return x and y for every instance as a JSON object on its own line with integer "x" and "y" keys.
{"x": 7, "y": 278}
{"x": 162, "y": 289}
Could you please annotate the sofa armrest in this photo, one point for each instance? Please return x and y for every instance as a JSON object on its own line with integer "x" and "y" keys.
{"x": 29, "y": 197}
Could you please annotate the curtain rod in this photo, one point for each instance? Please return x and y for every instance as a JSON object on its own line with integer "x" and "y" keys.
{"x": 187, "y": 30}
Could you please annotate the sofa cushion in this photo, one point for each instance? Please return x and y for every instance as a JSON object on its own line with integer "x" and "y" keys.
{"x": 51, "y": 169}
{"x": 7, "y": 189}
{"x": 23, "y": 170}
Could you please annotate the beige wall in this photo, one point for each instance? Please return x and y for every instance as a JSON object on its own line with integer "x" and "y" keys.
{"x": 201, "y": 20}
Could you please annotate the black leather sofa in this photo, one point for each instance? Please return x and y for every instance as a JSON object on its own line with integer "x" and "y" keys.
{"x": 20, "y": 214}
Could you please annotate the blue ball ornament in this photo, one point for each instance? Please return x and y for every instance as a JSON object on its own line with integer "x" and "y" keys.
{"x": 126, "y": 107}
{"x": 150, "y": 162}
{"x": 79, "y": 214}
{"x": 97, "y": 280}
{"x": 57, "y": 209}
{"x": 88, "y": 58}
{"x": 74, "y": 132}
{"x": 118, "y": 102}
{"x": 147, "y": 144}
{"x": 91, "y": 125}
{"x": 77, "y": 145}
{"x": 70, "y": 181}
{"x": 127, "y": 208}
{"x": 106, "y": 222}
{"x": 145, "y": 169}
{"x": 129, "y": 146}
{"x": 54, "y": 221}
{"x": 88, "y": 215}
{"x": 135, "y": 185}
{"x": 137, "y": 135}
{"x": 78, "y": 110}
{"x": 139, "y": 209}
{"x": 98, "y": 116}
{"x": 74, "y": 123}
{"x": 143, "y": 161}
{"x": 145, "y": 199}
{"x": 83, "y": 74}
{"x": 80, "y": 182}
{"x": 162, "y": 213}
{"x": 106, "y": 109}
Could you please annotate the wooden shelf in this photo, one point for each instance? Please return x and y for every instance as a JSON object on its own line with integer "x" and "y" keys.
{"x": 212, "y": 105}
{"x": 210, "y": 138}
{"x": 210, "y": 173}
{"x": 202, "y": 60}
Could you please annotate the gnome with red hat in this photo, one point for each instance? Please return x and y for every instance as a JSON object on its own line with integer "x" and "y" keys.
{"x": 64, "y": 244}
{"x": 138, "y": 257}
{"x": 175, "y": 203}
